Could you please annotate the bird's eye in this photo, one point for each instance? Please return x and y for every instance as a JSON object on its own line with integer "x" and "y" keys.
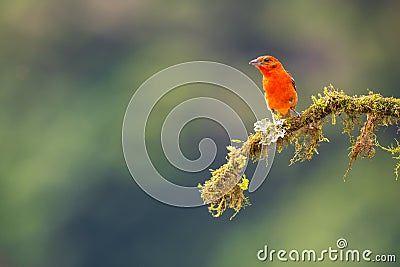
{"x": 266, "y": 60}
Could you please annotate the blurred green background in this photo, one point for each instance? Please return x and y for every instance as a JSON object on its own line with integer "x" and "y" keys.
{"x": 68, "y": 70}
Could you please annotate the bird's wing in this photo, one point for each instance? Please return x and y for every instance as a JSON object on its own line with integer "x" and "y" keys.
{"x": 293, "y": 83}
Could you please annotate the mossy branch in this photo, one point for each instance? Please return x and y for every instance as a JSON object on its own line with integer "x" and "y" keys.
{"x": 225, "y": 187}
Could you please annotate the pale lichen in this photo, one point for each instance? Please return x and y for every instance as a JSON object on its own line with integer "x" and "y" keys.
{"x": 271, "y": 130}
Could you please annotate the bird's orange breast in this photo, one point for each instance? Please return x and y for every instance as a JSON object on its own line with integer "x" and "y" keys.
{"x": 280, "y": 92}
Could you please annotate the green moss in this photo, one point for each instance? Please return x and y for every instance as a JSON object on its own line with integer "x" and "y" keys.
{"x": 395, "y": 151}
{"x": 366, "y": 113}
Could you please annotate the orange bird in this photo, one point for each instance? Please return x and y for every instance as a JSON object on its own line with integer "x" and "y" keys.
{"x": 279, "y": 86}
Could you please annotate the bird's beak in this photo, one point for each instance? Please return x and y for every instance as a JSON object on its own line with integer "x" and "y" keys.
{"x": 255, "y": 62}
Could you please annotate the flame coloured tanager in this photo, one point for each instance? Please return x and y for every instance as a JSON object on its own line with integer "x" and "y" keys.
{"x": 279, "y": 86}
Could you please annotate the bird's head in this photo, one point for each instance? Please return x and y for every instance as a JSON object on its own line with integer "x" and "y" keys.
{"x": 266, "y": 63}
